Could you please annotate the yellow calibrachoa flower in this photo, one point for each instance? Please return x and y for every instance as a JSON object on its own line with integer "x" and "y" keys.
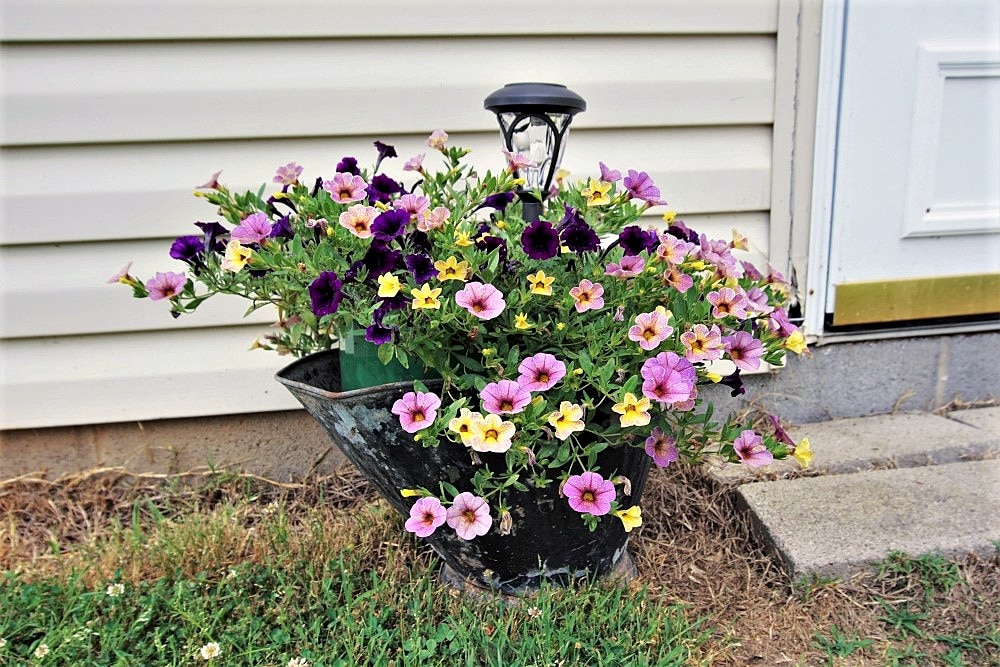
{"x": 669, "y": 216}
{"x": 803, "y": 453}
{"x": 388, "y": 285}
{"x": 568, "y": 419}
{"x": 740, "y": 242}
{"x": 462, "y": 240}
{"x": 409, "y": 493}
{"x": 491, "y": 434}
{"x": 236, "y": 256}
{"x": 541, "y": 283}
{"x": 796, "y": 342}
{"x": 462, "y": 424}
{"x": 451, "y": 269}
{"x": 631, "y": 518}
{"x": 714, "y": 377}
{"x": 634, "y": 411}
{"x": 521, "y": 321}
{"x": 596, "y": 193}
{"x": 425, "y": 297}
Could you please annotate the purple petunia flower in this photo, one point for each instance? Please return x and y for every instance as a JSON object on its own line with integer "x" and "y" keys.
{"x": 416, "y": 410}
{"x": 390, "y": 224}
{"x": 379, "y": 259}
{"x": 540, "y": 240}
{"x": 483, "y": 301}
{"x": 641, "y": 186}
{"x": 540, "y": 372}
{"x": 421, "y": 266}
{"x": 505, "y": 397}
{"x": 253, "y": 229}
{"x": 744, "y": 350}
{"x": 282, "y": 228}
{"x": 188, "y": 249}
{"x": 384, "y": 150}
{"x": 668, "y": 378}
{"x": 348, "y": 165}
{"x": 662, "y": 448}
{"x": 215, "y": 236}
{"x": 325, "y": 293}
{"x": 634, "y": 240}
{"x": 609, "y": 175}
{"x": 579, "y": 237}
{"x": 589, "y": 493}
{"x": 378, "y": 334}
{"x": 469, "y": 515}
{"x": 382, "y": 188}
{"x": 751, "y": 450}
{"x": 734, "y": 382}
{"x": 499, "y": 201}
{"x": 679, "y": 230}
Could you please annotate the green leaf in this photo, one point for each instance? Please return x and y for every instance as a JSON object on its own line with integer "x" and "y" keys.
{"x": 385, "y": 353}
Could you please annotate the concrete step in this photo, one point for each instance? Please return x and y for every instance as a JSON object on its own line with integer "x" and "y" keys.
{"x": 917, "y": 483}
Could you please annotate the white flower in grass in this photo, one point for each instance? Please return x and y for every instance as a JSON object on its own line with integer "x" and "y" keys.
{"x": 297, "y": 662}
{"x": 209, "y": 651}
{"x": 114, "y": 590}
{"x": 41, "y": 651}
{"x": 3, "y": 642}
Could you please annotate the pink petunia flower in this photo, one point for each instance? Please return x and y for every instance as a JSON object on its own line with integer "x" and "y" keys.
{"x": 668, "y": 378}
{"x": 358, "y": 220}
{"x": 751, "y": 450}
{"x": 641, "y": 186}
{"x": 650, "y": 329}
{"x": 425, "y": 516}
{"x": 629, "y": 267}
{"x": 416, "y": 410}
{"x": 744, "y": 350}
{"x": 415, "y": 163}
{"x": 609, "y": 175}
{"x": 587, "y": 296}
{"x": 540, "y": 372}
{"x": 589, "y": 493}
{"x": 677, "y": 279}
{"x": 517, "y": 161}
{"x": 253, "y": 229}
{"x": 433, "y": 219}
{"x": 728, "y": 302}
{"x": 673, "y": 249}
{"x": 702, "y": 343}
{"x": 346, "y": 188}
{"x": 212, "y": 183}
{"x": 483, "y": 301}
{"x": 288, "y": 174}
{"x": 415, "y": 205}
{"x": 165, "y": 285}
{"x": 437, "y": 140}
{"x": 505, "y": 397}
{"x": 469, "y": 515}
{"x": 662, "y": 448}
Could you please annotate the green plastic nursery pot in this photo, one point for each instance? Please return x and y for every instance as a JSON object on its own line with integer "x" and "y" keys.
{"x": 360, "y": 366}
{"x": 548, "y": 543}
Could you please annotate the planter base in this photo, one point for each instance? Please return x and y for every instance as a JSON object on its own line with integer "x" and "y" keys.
{"x": 624, "y": 573}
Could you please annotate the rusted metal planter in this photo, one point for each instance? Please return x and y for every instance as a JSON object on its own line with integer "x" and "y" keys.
{"x": 549, "y": 542}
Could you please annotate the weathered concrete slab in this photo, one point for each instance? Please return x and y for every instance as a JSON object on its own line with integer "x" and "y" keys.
{"x": 837, "y": 525}
{"x": 884, "y": 441}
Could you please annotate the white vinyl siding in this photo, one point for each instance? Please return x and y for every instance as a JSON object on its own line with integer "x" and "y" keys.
{"x": 113, "y": 113}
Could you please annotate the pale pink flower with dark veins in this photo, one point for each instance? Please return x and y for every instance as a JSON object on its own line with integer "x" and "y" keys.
{"x": 469, "y": 515}
{"x": 253, "y": 229}
{"x": 673, "y": 249}
{"x": 650, "y": 329}
{"x": 165, "y": 285}
{"x": 483, "y": 301}
{"x": 609, "y": 175}
{"x": 346, "y": 188}
{"x": 744, "y": 350}
{"x": 641, "y": 186}
{"x": 437, "y": 140}
{"x": 288, "y": 174}
{"x": 662, "y": 448}
{"x": 433, "y": 219}
{"x": 702, "y": 343}
{"x": 540, "y": 372}
{"x": 757, "y": 301}
{"x": 677, "y": 279}
{"x": 416, "y": 410}
{"x": 728, "y": 302}
{"x": 358, "y": 220}
{"x": 589, "y": 493}
{"x": 425, "y": 516}
{"x": 587, "y": 296}
{"x": 751, "y": 450}
{"x": 517, "y": 161}
{"x": 212, "y": 183}
{"x": 415, "y": 163}
{"x": 415, "y": 205}
{"x": 505, "y": 397}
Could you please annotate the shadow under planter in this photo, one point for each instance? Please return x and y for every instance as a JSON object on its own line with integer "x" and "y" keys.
{"x": 548, "y": 542}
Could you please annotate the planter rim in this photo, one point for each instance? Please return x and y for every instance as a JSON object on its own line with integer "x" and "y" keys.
{"x": 281, "y": 376}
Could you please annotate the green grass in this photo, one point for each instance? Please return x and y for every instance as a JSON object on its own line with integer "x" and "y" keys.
{"x": 307, "y": 592}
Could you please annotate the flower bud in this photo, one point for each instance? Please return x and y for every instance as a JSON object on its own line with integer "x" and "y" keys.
{"x": 506, "y": 522}
{"x": 625, "y": 482}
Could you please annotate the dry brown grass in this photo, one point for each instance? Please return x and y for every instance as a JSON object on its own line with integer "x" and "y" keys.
{"x": 693, "y": 549}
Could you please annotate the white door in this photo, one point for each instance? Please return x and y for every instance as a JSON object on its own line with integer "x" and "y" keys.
{"x": 915, "y": 231}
